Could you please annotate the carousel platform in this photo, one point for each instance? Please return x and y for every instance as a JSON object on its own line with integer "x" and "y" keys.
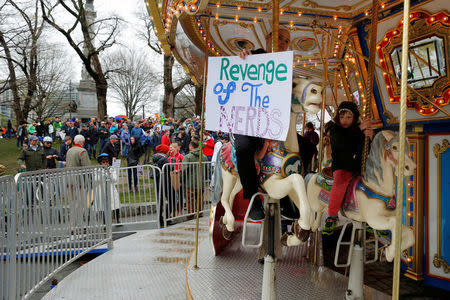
{"x": 237, "y": 274}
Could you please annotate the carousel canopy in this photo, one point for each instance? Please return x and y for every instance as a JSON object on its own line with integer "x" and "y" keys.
{"x": 321, "y": 31}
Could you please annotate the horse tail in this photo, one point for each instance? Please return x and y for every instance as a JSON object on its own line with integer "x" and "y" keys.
{"x": 217, "y": 183}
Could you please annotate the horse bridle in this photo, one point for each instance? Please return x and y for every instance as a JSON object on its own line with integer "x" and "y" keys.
{"x": 295, "y": 100}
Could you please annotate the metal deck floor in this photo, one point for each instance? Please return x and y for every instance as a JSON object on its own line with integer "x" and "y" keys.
{"x": 237, "y": 274}
{"x": 150, "y": 264}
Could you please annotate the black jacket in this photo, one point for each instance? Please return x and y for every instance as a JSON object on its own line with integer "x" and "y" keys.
{"x": 160, "y": 159}
{"x": 63, "y": 151}
{"x": 112, "y": 150}
{"x": 346, "y": 147}
{"x": 92, "y": 134}
{"x": 51, "y": 162}
{"x": 134, "y": 153}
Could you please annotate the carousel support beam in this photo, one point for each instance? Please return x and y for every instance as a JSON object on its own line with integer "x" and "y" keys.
{"x": 401, "y": 159}
{"x": 392, "y": 76}
{"x": 367, "y": 111}
{"x": 275, "y": 24}
{"x": 202, "y": 128}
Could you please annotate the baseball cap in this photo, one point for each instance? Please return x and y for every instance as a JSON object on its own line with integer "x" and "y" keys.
{"x": 33, "y": 138}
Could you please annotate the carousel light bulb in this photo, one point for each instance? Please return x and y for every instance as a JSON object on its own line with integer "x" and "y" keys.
{"x": 432, "y": 109}
{"x": 383, "y": 5}
{"x": 366, "y": 13}
{"x": 395, "y": 32}
{"x": 411, "y": 15}
{"x": 409, "y": 259}
{"x": 299, "y": 13}
{"x": 217, "y": 17}
{"x": 445, "y": 18}
{"x": 441, "y": 101}
{"x": 218, "y": 4}
{"x": 384, "y": 73}
{"x": 291, "y": 24}
{"x": 388, "y": 86}
{"x": 315, "y": 64}
{"x": 410, "y": 214}
{"x": 410, "y": 184}
{"x": 255, "y": 20}
{"x": 259, "y": 9}
{"x": 236, "y": 18}
{"x": 378, "y": 47}
{"x": 304, "y": 65}
{"x": 239, "y": 7}
{"x": 281, "y": 11}
{"x": 381, "y": 60}
{"x": 356, "y": 73}
{"x": 386, "y": 39}
{"x": 410, "y": 199}
{"x": 421, "y": 111}
{"x": 432, "y": 19}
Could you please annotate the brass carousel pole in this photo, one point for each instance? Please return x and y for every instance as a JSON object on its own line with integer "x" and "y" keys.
{"x": 367, "y": 102}
{"x": 275, "y": 24}
{"x": 202, "y": 125}
{"x": 401, "y": 157}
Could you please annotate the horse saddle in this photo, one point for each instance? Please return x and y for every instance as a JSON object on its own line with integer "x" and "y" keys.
{"x": 325, "y": 181}
{"x": 228, "y": 158}
{"x": 278, "y": 160}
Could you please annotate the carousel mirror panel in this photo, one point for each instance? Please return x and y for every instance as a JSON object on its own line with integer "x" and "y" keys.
{"x": 428, "y": 69}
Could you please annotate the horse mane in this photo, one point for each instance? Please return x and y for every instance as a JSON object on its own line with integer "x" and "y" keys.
{"x": 374, "y": 160}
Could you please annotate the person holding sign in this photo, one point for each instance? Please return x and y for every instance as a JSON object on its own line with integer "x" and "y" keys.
{"x": 250, "y": 148}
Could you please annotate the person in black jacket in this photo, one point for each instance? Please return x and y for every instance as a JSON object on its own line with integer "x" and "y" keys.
{"x": 248, "y": 146}
{"x": 346, "y": 138}
{"x": 64, "y": 148}
{"x": 112, "y": 148}
{"x": 134, "y": 153}
{"x": 91, "y": 141}
{"x": 51, "y": 154}
{"x": 160, "y": 159}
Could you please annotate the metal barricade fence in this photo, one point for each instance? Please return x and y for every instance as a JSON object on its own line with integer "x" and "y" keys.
{"x": 137, "y": 190}
{"x": 7, "y": 265}
{"x": 53, "y": 218}
{"x": 179, "y": 189}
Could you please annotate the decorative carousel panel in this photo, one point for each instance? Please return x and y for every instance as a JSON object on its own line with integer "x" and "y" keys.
{"x": 413, "y": 208}
{"x": 438, "y": 206}
{"x": 355, "y": 74}
{"x": 428, "y": 67}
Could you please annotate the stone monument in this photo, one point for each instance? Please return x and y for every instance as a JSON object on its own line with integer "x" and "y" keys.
{"x": 87, "y": 95}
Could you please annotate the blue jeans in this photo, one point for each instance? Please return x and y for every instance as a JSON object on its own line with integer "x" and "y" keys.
{"x": 20, "y": 141}
{"x": 102, "y": 144}
{"x": 91, "y": 148}
{"x": 125, "y": 150}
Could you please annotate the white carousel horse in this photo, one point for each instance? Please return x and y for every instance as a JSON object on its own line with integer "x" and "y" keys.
{"x": 284, "y": 179}
{"x": 372, "y": 198}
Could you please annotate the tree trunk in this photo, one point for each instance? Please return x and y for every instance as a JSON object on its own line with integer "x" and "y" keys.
{"x": 169, "y": 99}
{"x": 198, "y": 99}
{"x": 101, "y": 88}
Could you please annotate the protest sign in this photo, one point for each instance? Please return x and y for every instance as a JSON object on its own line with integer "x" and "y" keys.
{"x": 250, "y": 96}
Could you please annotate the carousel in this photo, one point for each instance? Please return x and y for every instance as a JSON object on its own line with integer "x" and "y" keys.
{"x": 352, "y": 50}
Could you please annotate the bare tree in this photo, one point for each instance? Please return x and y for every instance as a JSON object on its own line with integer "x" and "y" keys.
{"x": 171, "y": 86}
{"x": 20, "y": 29}
{"x": 133, "y": 80}
{"x": 52, "y": 82}
{"x": 102, "y": 31}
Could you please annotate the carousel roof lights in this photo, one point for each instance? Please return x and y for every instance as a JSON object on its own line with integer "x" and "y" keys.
{"x": 383, "y": 5}
{"x": 239, "y": 7}
{"x": 218, "y": 4}
{"x": 281, "y": 11}
{"x": 259, "y": 9}
{"x": 236, "y": 18}
{"x": 366, "y": 13}
{"x": 217, "y": 17}
{"x": 335, "y": 18}
{"x": 299, "y": 13}
{"x": 255, "y": 20}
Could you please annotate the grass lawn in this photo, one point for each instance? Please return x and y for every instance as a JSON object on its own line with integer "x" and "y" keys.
{"x": 9, "y": 154}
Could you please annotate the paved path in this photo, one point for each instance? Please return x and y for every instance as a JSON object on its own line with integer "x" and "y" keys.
{"x": 150, "y": 264}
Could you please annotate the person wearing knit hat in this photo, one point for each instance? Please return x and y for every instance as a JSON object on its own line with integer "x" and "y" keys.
{"x": 347, "y": 139}
{"x": 162, "y": 148}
